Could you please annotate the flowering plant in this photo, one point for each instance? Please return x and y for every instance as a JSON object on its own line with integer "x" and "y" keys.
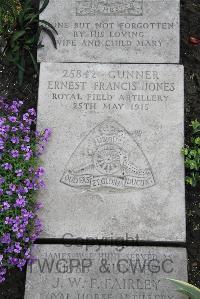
{"x": 20, "y": 33}
{"x": 192, "y": 155}
{"x": 9, "y": 11}
{"x": 20, "y": 179}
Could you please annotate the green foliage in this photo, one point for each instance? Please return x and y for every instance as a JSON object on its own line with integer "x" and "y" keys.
{"x": 186, "y": 289}
{"x": 9, "y": 10}
{"x": 22, "y": 41}
{"x": 192, "y": 155}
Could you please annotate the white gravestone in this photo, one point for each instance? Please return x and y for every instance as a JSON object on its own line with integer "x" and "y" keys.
{"x": 130, "y": 31}
{"x": 94, "y": 272}
{"x": 114, "y": 166}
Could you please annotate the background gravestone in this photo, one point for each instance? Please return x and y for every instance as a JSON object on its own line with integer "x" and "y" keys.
{"x": 133, "y": 31}
{"x": 105, "y": 272}
{"x": 114, "y": 167}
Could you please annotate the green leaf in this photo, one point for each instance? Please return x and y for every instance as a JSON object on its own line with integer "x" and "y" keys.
{"x": 49, "y": 25}
{"x": 44, "y": 5}
{"x": 16, "y": 49}
{"x": 31, "y": 17}
{"x": 190, "y": 181}
{"x": 193, "y": 153}
{"x": 195, "y": 124}
{"x": 21, "y": 69}
{"x": 27, "y": 4}
{"x": 20, "y": 19}
{"x": 192, "y": 164}
{"x": 185, "y": 151}
{"x": 50, "y": 34}
{"x": 197, "y": 140}
{"x": 17, "y": 35}
{"x": 187, "y": 288}
{"x": 184, "y": 292}
{"x": 34, "y": 61}
{"x": 30, "y": 41}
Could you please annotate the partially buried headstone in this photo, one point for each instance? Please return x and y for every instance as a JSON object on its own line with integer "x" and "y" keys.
{"x": 99, "y": 272}
{"x": 137, "y": 31}
{"x": 114, "y": 165}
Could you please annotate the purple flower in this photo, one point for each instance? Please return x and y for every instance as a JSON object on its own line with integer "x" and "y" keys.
{"x": 20, "y": 103}
{"x": 42, "y": 184}
{"x": 14, "y": 129}
{"x": 5, "y": 206}
{"x": 21, "y": 263}
{"x": 22, "y": 190}
{"x": 31, "y": 169}
{"x": 32, "y": 112}
{"x": 2, "y": 121}
{"x": 14, "y": 108}
{"x": 7, "y": 166}
{"x": 17, "y": 248}
{"x": 39, "y": 206}
{"x": 1, "y": 143}
{"x": 28, "y": 184}
{"x": 46, "y": 135}
{"x": 2, "y": 274}
{"x": 21, "y": 126}
{"x": 19, "y": 172}
{"x": 39, "y": 172}
{"x": 26, "y": 139}
{"x": 37, "y": 133}
{"x": 5, "y": 239}
{"x": 20, "y": 202}
{"x": 27, "y": 214}
{"x": 27, "y": 253}
{"x": 15, "y": 140}
{"x": 14, "y": 153}
{"x": 1, "y": 258}
{"x": 28, "y": 155}
{"x": 12, "y": 187}
{"x": 1, "y": 191}
{"x": 12, "y": 119}
{"x": 47, "y": 132}
{"x": 25, "y": 148}
{"x": 8, "y": 221}
{"x": 13, "y": 261}
{"x": 25, "y": 190}
{"x": 4, "y": 129}
{"x": 27, "y": 118}
{"x": 9, "y": 249}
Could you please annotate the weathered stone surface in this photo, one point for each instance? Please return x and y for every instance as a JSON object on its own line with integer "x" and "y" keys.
{"x": 114, "y": 165}
{"x": 137, "y": 31}
{"x": 105, "y": 272}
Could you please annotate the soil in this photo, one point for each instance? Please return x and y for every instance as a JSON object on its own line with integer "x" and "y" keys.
{"x": 14, "y": 286}
{"x": 190, "y": 58}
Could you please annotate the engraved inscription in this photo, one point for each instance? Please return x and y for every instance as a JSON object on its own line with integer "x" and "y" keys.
{"x": 105, "y": 272}
{"x": 109, "y": 7}
{"x": 117, "y": 31}
{"x": 108, "y": 157}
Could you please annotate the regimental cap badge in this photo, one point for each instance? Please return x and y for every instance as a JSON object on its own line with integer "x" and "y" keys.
{"x": 108, "y": 157}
